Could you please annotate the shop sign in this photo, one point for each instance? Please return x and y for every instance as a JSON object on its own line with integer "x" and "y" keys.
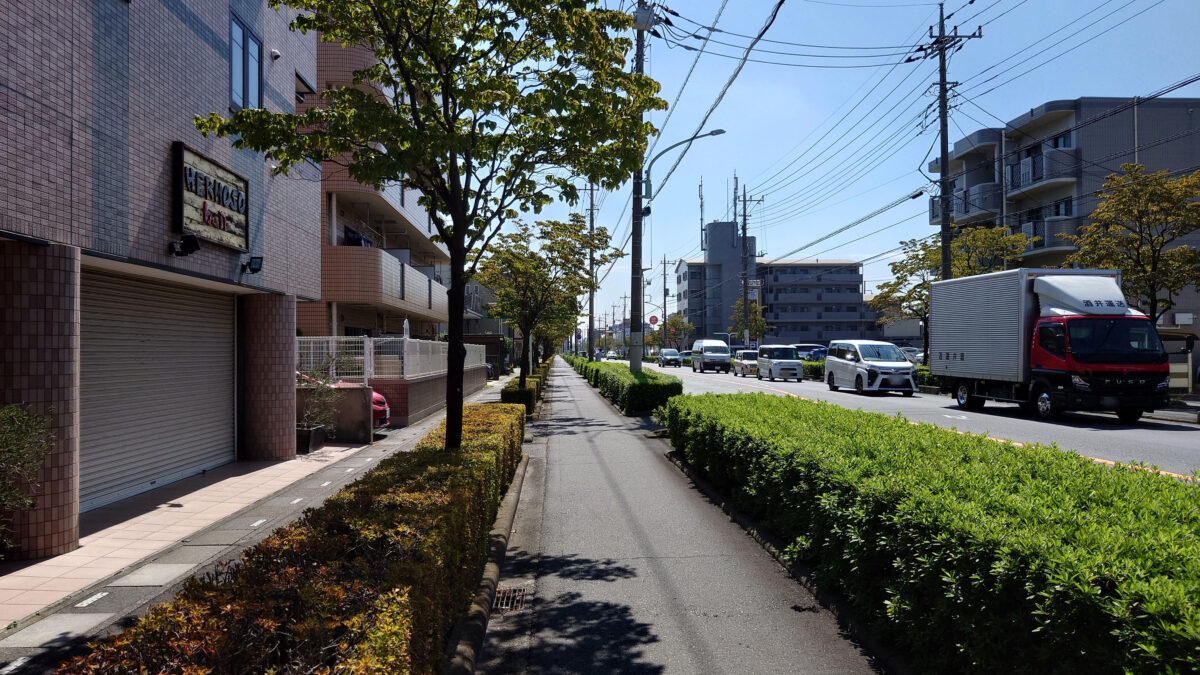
{"x": 211, "y": 201}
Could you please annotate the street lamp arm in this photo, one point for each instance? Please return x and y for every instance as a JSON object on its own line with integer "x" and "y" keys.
{"x": 648, "y": 192}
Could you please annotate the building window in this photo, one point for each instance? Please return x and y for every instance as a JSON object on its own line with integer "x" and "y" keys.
{"x": 1062, "y": 140}
{"x": 1064, "y": 207}
{"x": 245, "y": 66}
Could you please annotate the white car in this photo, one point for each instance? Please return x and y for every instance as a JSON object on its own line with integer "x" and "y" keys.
{"x": 869, "y": 365}
{"x": 779, "y": 361}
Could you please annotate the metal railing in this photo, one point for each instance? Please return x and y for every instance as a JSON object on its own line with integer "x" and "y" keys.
{"x": 358, "y": 359}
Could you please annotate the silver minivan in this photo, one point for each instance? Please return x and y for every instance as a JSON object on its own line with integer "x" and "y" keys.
{"x": 779, "y": 361}
{"x": 710, "y": 354}
{"x": 869, "y": 365}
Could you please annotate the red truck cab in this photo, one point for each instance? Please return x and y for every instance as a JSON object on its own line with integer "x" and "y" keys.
{"x": 1097, "y": 362}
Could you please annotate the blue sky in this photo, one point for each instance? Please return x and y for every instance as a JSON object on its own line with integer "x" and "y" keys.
{"x": 777, "y": 117}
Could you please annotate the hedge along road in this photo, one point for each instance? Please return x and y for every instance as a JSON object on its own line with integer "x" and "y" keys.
{"x": 1171, "y": 446}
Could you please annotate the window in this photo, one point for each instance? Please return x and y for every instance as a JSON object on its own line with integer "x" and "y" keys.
{"x": 1064, "y": 207}
{"x": 245, "y": 66}
{"x": 1051, "y": 338}
{"x": 1062, "y": 140}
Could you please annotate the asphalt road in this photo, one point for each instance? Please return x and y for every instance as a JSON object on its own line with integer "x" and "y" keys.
{"x": 1171, "y": 446}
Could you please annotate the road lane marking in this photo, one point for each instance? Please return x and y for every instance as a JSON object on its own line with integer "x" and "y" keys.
{"x": 92, "y": 599}
{"x": 297, "y": 500}
{"x": 326, "y": 483}
{"x": 15, "y": 665}
{"x": 258, "y": 522}
{"x": 955, "y": 417}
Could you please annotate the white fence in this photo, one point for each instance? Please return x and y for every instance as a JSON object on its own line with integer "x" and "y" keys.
{"x": 358, "y": 359}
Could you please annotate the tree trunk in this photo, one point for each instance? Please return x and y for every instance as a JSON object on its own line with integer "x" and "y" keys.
{"x": 526, "y": 346}
{"x": 456, "y": 353}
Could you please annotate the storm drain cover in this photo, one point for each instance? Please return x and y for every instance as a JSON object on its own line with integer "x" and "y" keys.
{"x": 509, "y": 599}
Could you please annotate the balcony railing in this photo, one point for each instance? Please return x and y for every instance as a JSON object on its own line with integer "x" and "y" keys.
{"x": 1052, "y": 164}
{"x": 1047, "y": 232}
{"x": 371, "y": 276}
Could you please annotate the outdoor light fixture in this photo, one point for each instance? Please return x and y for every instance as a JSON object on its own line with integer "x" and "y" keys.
{"x": 252, "y": 266}
{"x": 187, "y": 245}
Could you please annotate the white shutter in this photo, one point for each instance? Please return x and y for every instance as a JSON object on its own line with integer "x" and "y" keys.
{"x": 157, "y": 385}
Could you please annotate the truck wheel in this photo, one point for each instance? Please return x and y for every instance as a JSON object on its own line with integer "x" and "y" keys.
{"x": 858, "y": 385}
{"x": 1044, "y": 406}
{"x": 832, "y": 386}
{"x": 1129, "y": 415}
{"x": 964, "y": 397}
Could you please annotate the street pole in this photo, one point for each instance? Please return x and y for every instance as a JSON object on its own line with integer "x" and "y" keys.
{"x": 944, "y": 162}
{"x": 746, "y": 270}
{"x": 664, "y": 307}
{"x": 591, "y": 273}
{"x": 643, "y": 21}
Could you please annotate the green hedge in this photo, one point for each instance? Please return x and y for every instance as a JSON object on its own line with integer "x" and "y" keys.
{"x": 631, "y": 392}
{"x": 973, "y": 555}
{"x": 513, "y": 393}
{"x": 814, "y": 370}
{"x": 370, "y": 581}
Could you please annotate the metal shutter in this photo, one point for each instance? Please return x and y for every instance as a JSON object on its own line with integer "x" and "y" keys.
{"x": 157, "y": 385}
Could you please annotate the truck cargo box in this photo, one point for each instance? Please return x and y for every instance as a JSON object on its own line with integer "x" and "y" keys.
{"x": 980, "y": 326}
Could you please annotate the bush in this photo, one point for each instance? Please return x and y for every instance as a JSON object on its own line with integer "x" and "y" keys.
{"x": 972, "y": 554}
{"x": 25, "y": 440}
{"x": 513, "y": 393}
{"x": 631, "y": 392}
{"x": 370, "y": 581}
{"x": 814, "y": 370}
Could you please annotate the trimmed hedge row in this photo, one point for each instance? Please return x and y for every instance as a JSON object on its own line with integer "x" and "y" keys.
{"x": 631, "y": 392}
{"x": 971, "y": 554}
{"x": 370, "y": 581}
{"x": 535, "y": 382}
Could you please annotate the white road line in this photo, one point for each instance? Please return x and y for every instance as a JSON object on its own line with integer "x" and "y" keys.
{"x": 258, "y": 522}
{"x": 297, "y": 500}
{"x": 349, "y": 470}
{"x": 14, "y": 666}
{"x": 92, "y": 599}
{"x": 326, "y": 483}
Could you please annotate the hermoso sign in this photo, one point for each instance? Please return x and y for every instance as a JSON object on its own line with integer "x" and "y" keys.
{"x": 210, "y": 201}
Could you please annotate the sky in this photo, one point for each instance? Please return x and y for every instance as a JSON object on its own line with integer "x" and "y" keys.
{"x": 824, "y": 147}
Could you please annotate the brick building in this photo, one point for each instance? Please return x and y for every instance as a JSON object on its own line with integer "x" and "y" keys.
{"x": 148, "y": 275}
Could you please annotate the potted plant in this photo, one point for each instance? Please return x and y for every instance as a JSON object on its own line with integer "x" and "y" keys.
{"x": 25, "y": 440}
{"x": 316, "y": 422}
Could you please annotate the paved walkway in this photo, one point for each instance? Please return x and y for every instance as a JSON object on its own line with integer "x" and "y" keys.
{"x": 136, "y": 552}
{"x": 625, "y": 566}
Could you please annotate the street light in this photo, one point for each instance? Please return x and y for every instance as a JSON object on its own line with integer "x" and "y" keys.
{"x": 642, "y": 192}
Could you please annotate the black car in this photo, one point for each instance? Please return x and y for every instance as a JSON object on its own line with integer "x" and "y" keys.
{"x": 670, "y": 357}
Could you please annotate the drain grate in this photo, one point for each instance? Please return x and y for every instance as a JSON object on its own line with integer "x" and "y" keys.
{"x": 509, "y": 600}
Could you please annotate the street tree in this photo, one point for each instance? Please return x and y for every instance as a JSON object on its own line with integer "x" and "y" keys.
{"x": 489, "y": 108}
{"x": 758, "y": 323}
{"x": 1137, "y": 228}
{"x": 677, "y": 331}
{"x": 974, "y": 250}
{"x": 537, "y": 275}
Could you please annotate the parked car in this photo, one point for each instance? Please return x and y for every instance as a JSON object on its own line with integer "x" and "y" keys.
{"x": 381, "y": 412}
{"x": 710, "y": 354}
{"x": 779, "y": 361}
{"x": 869, "y": 365}
{"x": 803, "y": 350}
{"x": 670, "y": 357}
{"x": 913, "y": 354}
{"x": 745, "y": 362}
{"x": 610, "y": 355}
{"x": 817, "y": 354}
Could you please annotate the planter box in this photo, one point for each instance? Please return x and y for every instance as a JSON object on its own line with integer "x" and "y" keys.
{"x": 308, "y": 440}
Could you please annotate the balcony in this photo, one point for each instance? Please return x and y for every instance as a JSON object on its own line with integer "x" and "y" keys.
{"x": 785, "y": 296}
{"x": 370, "y": 276}
{"x": 1048, "y": 231}
{"x": 1055, "y": 166}
{"x": 841, "y": 316}
{"x": 980, "y": 202}
{"x": 840, "y": 296}
{"x": 840, "y": 277}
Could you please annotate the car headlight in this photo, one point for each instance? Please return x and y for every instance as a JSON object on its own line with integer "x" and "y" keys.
{"x": 1080, "y": 383}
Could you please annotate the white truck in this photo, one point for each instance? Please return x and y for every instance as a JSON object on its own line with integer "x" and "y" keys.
{"x": 1048, "y": 339}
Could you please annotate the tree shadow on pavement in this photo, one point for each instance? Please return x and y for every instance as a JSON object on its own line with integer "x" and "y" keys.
{"x": 568, "y": 566}
{"x": 579, "y": 636}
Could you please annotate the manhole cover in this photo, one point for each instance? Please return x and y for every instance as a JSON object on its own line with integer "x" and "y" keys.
{"x": 509, "y": 600}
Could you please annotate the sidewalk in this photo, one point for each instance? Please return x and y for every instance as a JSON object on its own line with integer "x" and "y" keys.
{"x": 617, "y": 563}
{"x": 137, "y": 552}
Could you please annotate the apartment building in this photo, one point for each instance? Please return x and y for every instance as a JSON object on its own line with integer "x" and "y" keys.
{"x": 803, "y": 300}
{"x": 148, "y": 275}
{"x": 379, "y": 265}
{"x": 1040, "y": 172}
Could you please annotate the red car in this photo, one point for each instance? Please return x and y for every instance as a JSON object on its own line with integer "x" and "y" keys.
{"x": 380, "y": 411}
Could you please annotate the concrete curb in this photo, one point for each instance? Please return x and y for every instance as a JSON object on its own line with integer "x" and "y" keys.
{"x": 466, "y": 638}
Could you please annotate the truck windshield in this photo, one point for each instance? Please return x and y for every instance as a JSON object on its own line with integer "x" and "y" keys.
{"x": 779, "y": 353}
{"x": 881, "y": 353}
{"x": 1114, "y": 341}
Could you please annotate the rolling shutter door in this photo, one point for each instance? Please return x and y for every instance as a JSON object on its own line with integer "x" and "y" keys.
{"x": 157, "y": 385}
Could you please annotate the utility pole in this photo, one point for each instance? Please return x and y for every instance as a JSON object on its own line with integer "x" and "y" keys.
{"x": 624, "y": 333}
{"x": 591, "y": 273}
{"x": 942, "y": 43}
{"x": 664, "y": 307}
{"x": 643, "y": 20}
{"x": 746, "y": 269}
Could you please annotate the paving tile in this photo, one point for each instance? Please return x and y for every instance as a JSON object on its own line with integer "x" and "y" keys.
{"x": 153, "y": 574}
{"x": 63, "y": 584}
{"x": 190, "y": 554}
{"x": 55, "y": 630}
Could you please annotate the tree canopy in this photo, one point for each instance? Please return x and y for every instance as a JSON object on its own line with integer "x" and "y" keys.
{"x": 1136, "y": 228}
{"x": 758, "y": 323}
{"x": 677, "y": 331}
{"x": 489, "y": 108}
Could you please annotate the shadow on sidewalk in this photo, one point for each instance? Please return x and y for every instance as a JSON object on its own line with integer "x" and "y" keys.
{"x": 569, "y": 566}
{"x": 580, "y": 636}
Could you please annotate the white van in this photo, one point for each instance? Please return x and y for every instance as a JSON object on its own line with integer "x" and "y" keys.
{"x": 869, "y": 365}
{"x": 779, "y": 361}
{"x": 710, "y": 354}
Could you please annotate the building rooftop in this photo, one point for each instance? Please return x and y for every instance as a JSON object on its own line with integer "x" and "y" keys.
{"x": 814, "y": 262}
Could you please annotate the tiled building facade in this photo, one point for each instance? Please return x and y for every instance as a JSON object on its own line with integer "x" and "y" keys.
{"x": 1039, "y": 173}
{"x": 132, "y": 314}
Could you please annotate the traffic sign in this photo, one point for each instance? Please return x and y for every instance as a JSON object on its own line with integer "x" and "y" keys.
{"x": 754, "y": 283}
{"x": 653, "y": 320}
{"x": 754, "y": 344}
